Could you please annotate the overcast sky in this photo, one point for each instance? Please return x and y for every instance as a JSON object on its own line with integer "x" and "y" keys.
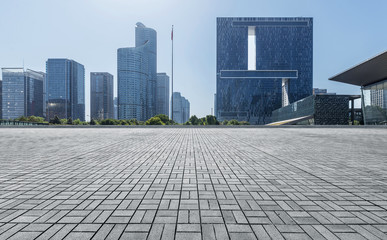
{"x": 346, "y": 32}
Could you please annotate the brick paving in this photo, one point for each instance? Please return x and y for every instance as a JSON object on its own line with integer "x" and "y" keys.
{"x": 193, "y": 183}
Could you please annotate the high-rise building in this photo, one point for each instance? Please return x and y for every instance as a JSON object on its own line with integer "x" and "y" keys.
{"x": 115, "y": 107}
{"x": 137, "y": 74}
{"x": 65, "y": 89}
{"x": 101, "y": 95}
{"x": 1, "y": 99}
{"x": 262, "y": 64}
{"x": 162, "y": 94}
{"x": 186, "y": 109}
{"x": 148, "y": 36}
{"x": 22, "y": 93}
{"x": 181, "y": 108}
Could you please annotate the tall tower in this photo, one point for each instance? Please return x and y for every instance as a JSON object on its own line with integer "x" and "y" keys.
{"x": 65, "y": 86}
{"x": 262, "y": 65}
{"x": 22, "y": 93}
{"x": 137, "y": 75}
{"x": 162, "y": 94}
{"x": 101, "y": 95}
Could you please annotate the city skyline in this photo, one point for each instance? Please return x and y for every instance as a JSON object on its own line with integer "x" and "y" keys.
{"x": 334, "y": 49}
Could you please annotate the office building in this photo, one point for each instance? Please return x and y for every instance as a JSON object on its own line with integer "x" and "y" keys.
{"x": 162, "y": 94}
{"x": 317, "y": 109}
{"x": 101, "y": 95}
{"x": 22, "y": 93}
{"x": 65, "y": 86}
{"x": 371, "y": 76}
{"x": 186, "y": 109}
{"x": 1, "y": 99}
{"x": 115, "y": 108}
{"x": 262, "y": 65}
{"x": 181, "y": 108}
{"x": 137, "y": 75}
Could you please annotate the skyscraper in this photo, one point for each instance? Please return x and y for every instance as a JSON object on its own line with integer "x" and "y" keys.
{"x": 22, "y": 93}
{"x": 115, "y": 107}
{"x": 262, "y": 64}
{"x": 137, "y": 74}
{"x": 181, "y": 108}
{"x": 162, "y": 94}
{"x": 1, "y": 99}
{"x": 101, "y": 95}
{"x": 65, "y": 86}
{"x": 186, "y": 109}
{"x": 148, "y": 36}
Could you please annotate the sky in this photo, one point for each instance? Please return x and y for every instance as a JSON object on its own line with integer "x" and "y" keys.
{"x": 346, "y": 32}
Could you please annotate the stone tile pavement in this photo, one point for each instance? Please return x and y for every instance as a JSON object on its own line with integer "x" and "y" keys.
{"x": 193, "y": 183}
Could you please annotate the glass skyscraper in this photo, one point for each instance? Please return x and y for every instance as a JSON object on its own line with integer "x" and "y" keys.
{"x": 65, "y": 86}
{"x": 101, "y": 95}
{"x": 1, "y": 99}
{"x": 262, "y": 65}
{"x": 137, "y": 75}
{"x": 162, "y": 94}
{"x": 181, "y": 108}
{"x": 22, "y": 93}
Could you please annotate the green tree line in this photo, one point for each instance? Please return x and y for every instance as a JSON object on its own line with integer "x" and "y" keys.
{"x": 159, "y": 119}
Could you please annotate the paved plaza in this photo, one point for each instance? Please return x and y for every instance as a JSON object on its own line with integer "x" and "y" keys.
{"x": 193, "y": 183}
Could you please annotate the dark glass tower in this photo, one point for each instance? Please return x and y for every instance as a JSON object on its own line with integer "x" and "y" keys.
{"x": 262, "y": 65}
{"x": 65, "y": 86}
{"x": 162, "y": 96}
{"x": 22, "y": 93}
{"x": 101, "y": 95}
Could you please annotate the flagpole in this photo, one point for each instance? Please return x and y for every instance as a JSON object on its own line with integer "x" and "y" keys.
{"x": 172, "y": 70}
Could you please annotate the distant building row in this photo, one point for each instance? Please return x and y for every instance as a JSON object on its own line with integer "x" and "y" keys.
{"x": 61, "y": 92}
{"x": 142, "y": 92}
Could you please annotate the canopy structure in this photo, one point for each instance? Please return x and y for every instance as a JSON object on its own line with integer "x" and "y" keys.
{"x": 369, "y": 72}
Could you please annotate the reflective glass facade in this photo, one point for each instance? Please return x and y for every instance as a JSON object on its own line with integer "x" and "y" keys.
{"x": 283, "y": 49}
{"x": 132, "y": 75}
{"x": 375, "y": 103}
{"x": 1, "y": 99}
{"x": 65, "y": 86}
{"x": 181, "y": 108}
{"x": 22, "y": 93}
{"x": 101, "y": 95}
{"x": 162, "y": 94}
{"x": 148, "y": 36}
{"x": 137, "y": 76}
{"x": 323, "y": 110}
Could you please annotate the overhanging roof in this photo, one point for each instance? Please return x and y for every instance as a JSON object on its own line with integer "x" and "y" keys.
{"x": 371, "y": 71}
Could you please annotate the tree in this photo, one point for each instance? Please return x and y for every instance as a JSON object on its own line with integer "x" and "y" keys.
{"x": 77, "y": 122}
{"x": 165, "y": 119}
{"x": 244, "y": 123}
{"x": 202, "y": 121}
{"x": 93, "y": 122}
{"x": 133, "y": 121}
{"x": 225, "y": 122}
{"x": 109, "y": 121}
{"x": 70, "y": 121}
{"x": 21, "y": 119}
{"x": 55, "y": 120}
{"x": 211, "y": 120}
{"x": 233, "y": 122}
{"x": 194, "y": 120}
{"x": 154, "y": 121}
{"x": 35, "y": 119}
